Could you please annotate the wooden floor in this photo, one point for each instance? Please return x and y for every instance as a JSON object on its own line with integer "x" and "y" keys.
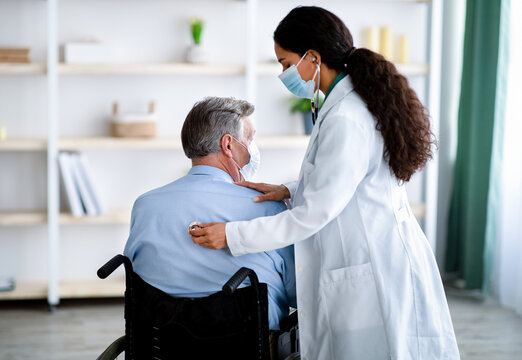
{"x": 82, "y": 329}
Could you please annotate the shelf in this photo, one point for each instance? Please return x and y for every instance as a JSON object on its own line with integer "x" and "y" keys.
{"x": 82, "y": 143}
{"x": 273, "y": 68}
{"x": 92, "y": 288}
{"x": 152, "y": 69}
{"x": 26, "y": 290}
{"x": 113, "y": 217}
{"x": 22, "y": 218}
{"x": 170, "y": 143}
{"x": 31, "y": 218}
{"x": 22, "y": 69}
{"x": 23, "y": 144}
{"x": 67, "y": 289}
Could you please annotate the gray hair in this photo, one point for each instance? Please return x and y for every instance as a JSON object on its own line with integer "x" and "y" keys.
{"x": 209, "y": 120}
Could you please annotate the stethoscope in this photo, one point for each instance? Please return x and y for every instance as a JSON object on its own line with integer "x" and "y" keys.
{"x": 314, "y": 101}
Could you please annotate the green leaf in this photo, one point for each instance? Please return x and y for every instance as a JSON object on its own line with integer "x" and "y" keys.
{"x": 196, "y": 26}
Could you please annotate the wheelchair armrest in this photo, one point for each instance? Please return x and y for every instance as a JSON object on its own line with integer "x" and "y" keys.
{"x": 236, "y": 280}
{"x": 110, "y": 266}
{"x": 288, "y": 322}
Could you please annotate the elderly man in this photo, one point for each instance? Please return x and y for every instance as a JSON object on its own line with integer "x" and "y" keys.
{"x": 218, "y": 137}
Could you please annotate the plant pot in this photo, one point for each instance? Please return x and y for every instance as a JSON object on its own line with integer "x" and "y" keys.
{"x": 195, "y": 54}
{"x": 307, "y": 122}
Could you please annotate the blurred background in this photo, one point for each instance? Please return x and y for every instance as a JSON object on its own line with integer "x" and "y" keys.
{"x": 98, "y": 91}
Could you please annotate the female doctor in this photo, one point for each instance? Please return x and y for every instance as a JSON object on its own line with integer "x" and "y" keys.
{"x": 368, "y": 286}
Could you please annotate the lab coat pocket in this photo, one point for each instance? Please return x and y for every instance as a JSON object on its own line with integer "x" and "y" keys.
{"x": 353, "y": 311}
{"x": 351, "y": 297}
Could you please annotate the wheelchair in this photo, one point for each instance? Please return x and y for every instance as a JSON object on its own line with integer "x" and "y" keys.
{"x": 229, "y": 324}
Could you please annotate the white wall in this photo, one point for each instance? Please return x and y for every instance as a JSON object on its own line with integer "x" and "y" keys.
{"x": 147, "y": 31}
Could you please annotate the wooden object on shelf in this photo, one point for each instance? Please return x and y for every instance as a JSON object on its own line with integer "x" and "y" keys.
{"x": 133, "y": 125}
{"x": 372, "y": 39}
{"x": 404, "y": 49}
{"x": 386, "y": 41}
{"x": 14, "y": 55}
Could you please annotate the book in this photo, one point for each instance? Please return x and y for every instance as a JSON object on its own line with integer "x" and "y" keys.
{"x": 84, "y": 190}
{"x": 86, "y": 172}
{"x": 70, "y": 184}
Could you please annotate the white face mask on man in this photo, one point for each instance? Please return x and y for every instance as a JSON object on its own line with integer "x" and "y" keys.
{"x": 250, "y": 169}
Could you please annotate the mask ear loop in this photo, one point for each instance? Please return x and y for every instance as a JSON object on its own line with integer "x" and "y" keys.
{"x": 296, "y": 65}
{"x": 314, "y": 104}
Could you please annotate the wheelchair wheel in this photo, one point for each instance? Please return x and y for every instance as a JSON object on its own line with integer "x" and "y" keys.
{"x": 114, "y": 350}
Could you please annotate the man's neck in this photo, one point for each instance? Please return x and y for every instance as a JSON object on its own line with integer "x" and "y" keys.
{"x": 213, "y": 160}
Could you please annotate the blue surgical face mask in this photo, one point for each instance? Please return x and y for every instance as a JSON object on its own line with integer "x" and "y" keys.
{"x": 250, "y": 169}
{"x": 295, "y": 83}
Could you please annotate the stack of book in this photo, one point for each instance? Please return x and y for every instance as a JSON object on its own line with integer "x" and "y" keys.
{"x": 81, "y": 193}
{"x": 14, "y": 55}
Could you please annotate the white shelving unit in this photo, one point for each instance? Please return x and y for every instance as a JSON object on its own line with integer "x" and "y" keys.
{"x": 252, "y": 70}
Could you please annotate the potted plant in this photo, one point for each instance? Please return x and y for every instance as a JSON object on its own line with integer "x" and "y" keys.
{"x": 304, "y": 106}
{"x": 195, "y": 53}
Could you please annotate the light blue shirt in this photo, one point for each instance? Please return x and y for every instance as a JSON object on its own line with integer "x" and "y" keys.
{"x": 164, "y": 255}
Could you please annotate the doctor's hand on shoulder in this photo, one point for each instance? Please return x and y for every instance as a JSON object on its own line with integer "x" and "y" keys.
{"x": 270, "y": 192}
{"x": 213, "y": 235}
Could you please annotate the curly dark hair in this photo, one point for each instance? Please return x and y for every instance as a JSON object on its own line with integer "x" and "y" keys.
{"x": 400, "y": 117}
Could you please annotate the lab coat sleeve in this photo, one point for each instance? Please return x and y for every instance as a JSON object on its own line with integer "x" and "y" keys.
{"x": 292, "y": 187}
{"x": 341, "y": 162}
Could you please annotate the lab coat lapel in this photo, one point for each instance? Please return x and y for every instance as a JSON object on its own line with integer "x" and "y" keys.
{"x": 340, "y": 90}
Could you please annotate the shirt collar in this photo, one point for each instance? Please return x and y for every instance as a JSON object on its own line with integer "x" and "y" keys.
{"x": 211, "y": 171}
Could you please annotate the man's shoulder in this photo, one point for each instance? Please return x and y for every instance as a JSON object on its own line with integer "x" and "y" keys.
{"x": 211, "y": 190}
{"x": 161, "y": 192}
{"x": 270, "y": 207}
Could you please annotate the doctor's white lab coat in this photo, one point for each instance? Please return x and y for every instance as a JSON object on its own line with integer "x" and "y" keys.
{"x": 368, "y": 286}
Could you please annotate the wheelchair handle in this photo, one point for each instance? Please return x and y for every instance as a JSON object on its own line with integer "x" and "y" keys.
{"x": 236, "y": 280}
{"x": 112, "y": 265}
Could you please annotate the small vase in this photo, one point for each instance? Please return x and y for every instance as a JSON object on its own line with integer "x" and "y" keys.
{"x": 195, "y": 54}
{"x": 307, "y": 121}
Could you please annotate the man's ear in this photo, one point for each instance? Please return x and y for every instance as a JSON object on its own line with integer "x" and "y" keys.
{"x": 226, "y": 142}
